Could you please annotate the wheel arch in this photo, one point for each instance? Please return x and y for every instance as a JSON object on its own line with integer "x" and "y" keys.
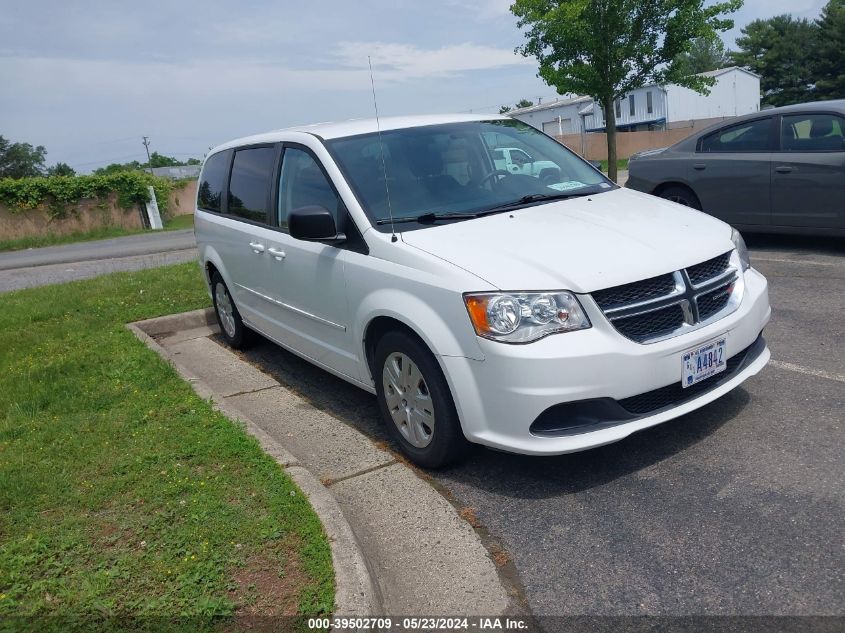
{"x": 377, "y": 328}
{"x": 677, "y": 182}
{"x": 427, "y": 326}
{"x": 663, "y": 187}
{"x": 211, "y": 262}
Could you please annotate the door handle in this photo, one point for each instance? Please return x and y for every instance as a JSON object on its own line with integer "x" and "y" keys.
{"x": 257, "y": 247}
{"x": 699, "y": 166}
{"x": 277, "y": 253}
{"x": 783, "y": 169}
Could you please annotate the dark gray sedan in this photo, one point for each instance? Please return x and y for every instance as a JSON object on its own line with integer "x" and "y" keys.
{"x": 779, "y": 170}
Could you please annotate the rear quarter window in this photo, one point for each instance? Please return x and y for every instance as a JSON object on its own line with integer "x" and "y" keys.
{"x": 212, "y": 179}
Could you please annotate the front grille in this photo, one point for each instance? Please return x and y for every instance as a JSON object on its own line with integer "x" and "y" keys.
{"x": 709, "y": 269}
{"x": 640, "y": 328}
{"x": 659, "y": 307}
{"x": 675, "y": 394}
{"x": 635, "y": 292}
{"x": 712, "y": 302}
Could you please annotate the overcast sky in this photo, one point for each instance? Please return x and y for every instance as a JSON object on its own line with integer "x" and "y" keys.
{"x": 87, "y": 79}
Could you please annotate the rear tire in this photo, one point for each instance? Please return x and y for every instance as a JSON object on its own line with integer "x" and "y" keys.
{"x": 416, "y": 403}
{"x": 681, "y": 195}
{"x": 232, "y": 328}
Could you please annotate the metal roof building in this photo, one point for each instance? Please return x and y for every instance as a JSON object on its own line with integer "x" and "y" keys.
{"x": 736, "y": 92}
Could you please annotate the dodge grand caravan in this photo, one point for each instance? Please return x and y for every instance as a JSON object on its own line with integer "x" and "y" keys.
{"x": 539, "y": 315}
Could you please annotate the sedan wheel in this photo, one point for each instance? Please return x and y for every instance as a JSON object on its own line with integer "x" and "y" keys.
{"x": 681, "y": 195}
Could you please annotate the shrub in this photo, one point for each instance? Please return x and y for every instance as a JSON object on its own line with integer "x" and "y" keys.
{"x": 60, "y": 193}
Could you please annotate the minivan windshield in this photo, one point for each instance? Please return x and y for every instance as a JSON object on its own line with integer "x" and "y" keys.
{"x": 458, "y": 171}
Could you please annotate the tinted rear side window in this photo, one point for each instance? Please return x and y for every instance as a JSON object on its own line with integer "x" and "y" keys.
{"x": 812, "y": 133}
{"x": 249, "y": 186}
{"x": 754, "y": 136}
{"x": 210, "y": 193}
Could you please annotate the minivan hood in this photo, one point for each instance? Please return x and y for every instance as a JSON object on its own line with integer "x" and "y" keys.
{"x": 582, "y": 244}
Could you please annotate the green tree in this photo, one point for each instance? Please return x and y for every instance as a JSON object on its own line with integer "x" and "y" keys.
{"x": 706, "y": 54}
{"x": 504, "y": 109}
{"x": 114, "y": 168}
{"x": 607, "y": 48}
{"x": 523, "y": 103}
{"x": 61, "y": 169}
{"x": 156, "y": 160}
{"x": 159, "y": 160}
{"x": 21, "y": 160}
{"x": 829, "y": 66}
{"x": 781, "y": 50}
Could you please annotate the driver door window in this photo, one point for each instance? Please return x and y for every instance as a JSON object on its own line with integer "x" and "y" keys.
{"x": 302, "y": 184}
{"x": 754, "y": 136}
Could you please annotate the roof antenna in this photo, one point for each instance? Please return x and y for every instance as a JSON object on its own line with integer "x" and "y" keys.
{"x": 393, "y": 237}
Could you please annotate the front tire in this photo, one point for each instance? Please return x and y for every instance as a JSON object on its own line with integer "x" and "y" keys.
{"x": 232, "y": 327}
{"x": 416, "y": 403}
{"x": 681, "y": 195}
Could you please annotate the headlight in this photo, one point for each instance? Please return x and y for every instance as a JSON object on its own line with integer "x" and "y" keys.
{"x": 523, "y": 317}
{"x": 741, "y": 250}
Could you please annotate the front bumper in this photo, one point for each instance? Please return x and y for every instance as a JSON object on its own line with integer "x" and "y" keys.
{"x": 500, "y": 397}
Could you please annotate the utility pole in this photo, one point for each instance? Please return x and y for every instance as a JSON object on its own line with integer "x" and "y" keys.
{"x": 147, "y": 147}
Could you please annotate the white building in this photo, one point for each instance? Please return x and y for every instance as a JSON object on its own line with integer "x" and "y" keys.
{"x": 653, "y": 107}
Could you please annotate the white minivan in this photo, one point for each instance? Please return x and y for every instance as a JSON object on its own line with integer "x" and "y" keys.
{"x": 539, "y": 312}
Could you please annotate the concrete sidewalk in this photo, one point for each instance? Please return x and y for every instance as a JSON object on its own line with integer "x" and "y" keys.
{"x": 423, "y": 558}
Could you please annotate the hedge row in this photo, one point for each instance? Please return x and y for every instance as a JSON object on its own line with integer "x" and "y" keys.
{"x": 59, "y": 194}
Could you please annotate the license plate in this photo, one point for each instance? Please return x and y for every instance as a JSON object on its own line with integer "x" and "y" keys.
{"x": 703, "y": 362}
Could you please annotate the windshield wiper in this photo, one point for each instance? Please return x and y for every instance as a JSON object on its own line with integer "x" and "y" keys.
{"x": 428, "y": 218}
{"x": 534, "y": 197}
{"x": 431, "y": 217}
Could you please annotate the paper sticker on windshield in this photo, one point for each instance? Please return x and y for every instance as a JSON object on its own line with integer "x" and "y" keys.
{"x": 566, "y": 186}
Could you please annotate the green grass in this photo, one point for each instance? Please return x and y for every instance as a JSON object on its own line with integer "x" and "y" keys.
{"x": 53, "y": 239}
{"x": 622, "y": 163}
{"x": 122, "y": 493}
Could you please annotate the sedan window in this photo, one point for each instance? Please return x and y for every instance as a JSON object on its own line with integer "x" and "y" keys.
{"x": 753, "y": 136}
{"x": 812, "y": 133}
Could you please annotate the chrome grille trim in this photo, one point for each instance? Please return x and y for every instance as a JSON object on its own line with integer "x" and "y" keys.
{"x": 685, "y": 294}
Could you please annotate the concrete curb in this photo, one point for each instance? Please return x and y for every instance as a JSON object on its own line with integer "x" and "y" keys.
{"x": 356, "y": 593}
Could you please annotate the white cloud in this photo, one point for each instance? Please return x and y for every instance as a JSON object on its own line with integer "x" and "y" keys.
{"x": 62, "y": 77}
{"x": 485, "y": 8}
{"x": 404, "y": 61}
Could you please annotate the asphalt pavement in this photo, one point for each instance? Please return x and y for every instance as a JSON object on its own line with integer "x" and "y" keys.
{"x": 734, "y": 509}
{"x": 82, "y": 260}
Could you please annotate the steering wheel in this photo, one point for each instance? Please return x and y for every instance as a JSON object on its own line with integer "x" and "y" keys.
{"x": 494, "y": 174}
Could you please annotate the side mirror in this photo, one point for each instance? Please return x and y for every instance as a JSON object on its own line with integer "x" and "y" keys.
{"x": 314, "y": 224}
